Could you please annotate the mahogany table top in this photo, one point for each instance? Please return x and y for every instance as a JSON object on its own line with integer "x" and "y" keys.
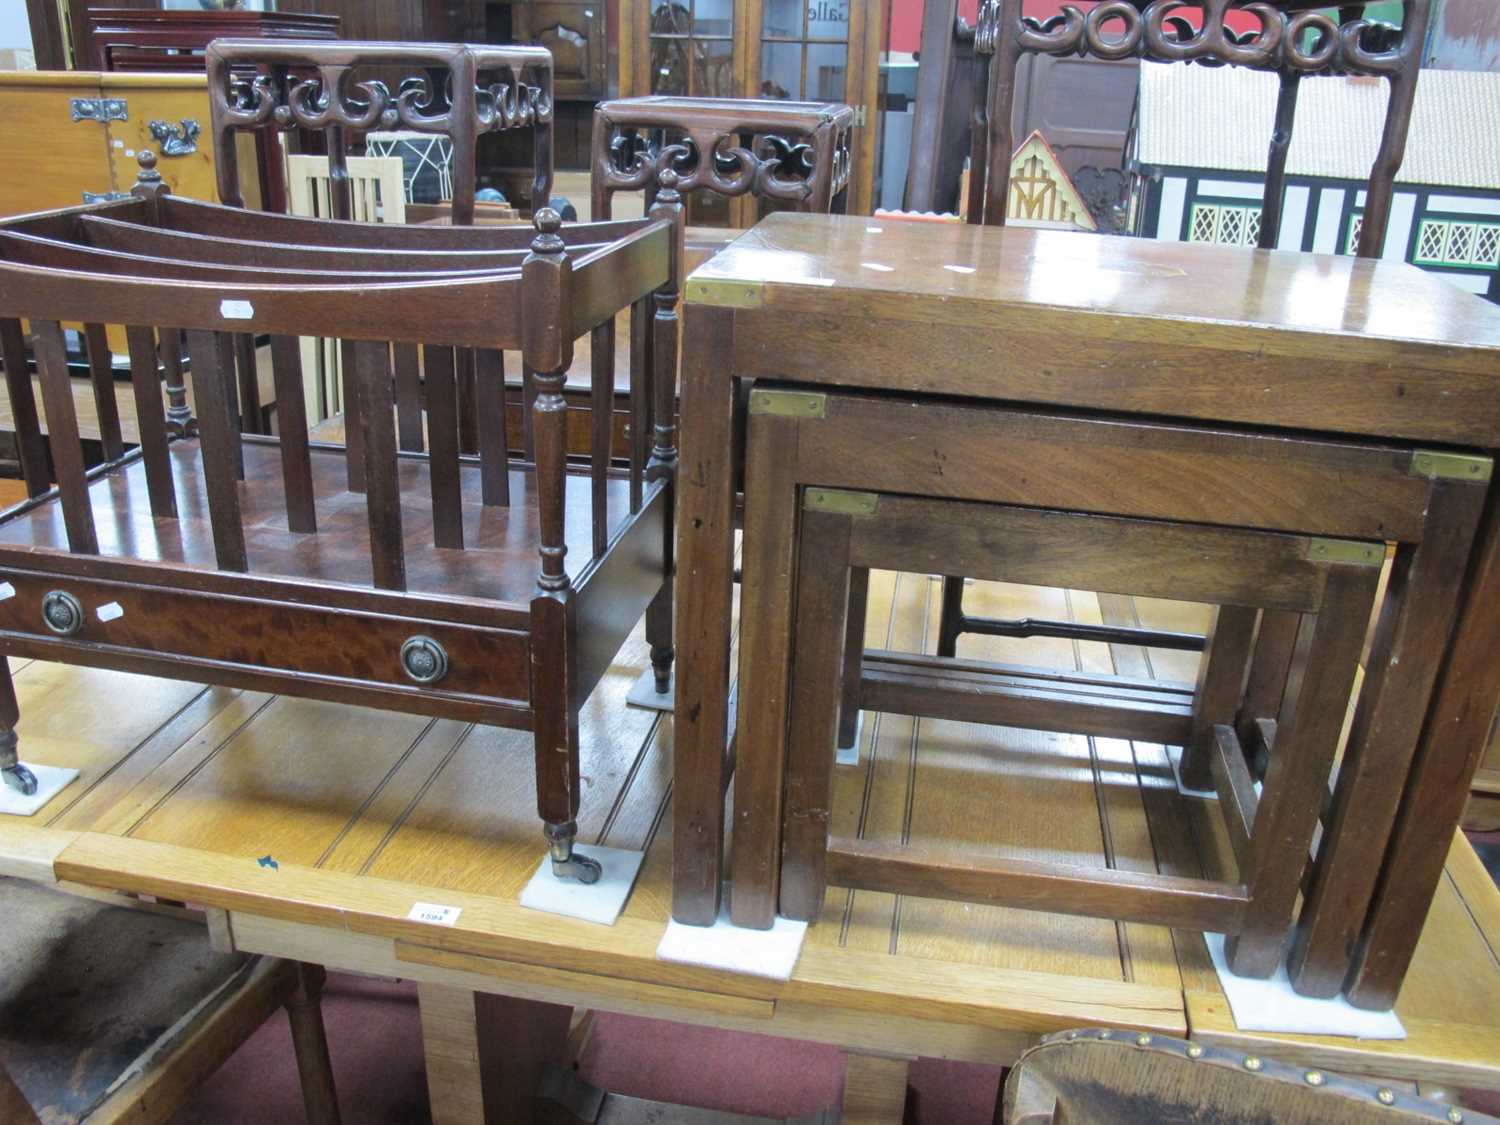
{"x": 1228, "y": 334}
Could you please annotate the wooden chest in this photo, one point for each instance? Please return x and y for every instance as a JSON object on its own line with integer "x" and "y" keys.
{"x": 75, "y": 133}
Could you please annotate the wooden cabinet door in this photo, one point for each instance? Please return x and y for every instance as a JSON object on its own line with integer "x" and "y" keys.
{"x": 574, "y": 33}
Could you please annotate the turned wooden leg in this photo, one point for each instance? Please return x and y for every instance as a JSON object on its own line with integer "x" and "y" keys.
{"x": 310, "y": 1043}
{"x": 854, "y": 654}
{"x": 951, "y": 619}
{"x": 17, "y": 776}
{"x": 554, "y": 660}
{"x": 659, "y": 637}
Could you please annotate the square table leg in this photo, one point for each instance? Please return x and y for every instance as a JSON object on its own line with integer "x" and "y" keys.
{"x": 705, "y": 586}
{"x": 1453, "y": 739}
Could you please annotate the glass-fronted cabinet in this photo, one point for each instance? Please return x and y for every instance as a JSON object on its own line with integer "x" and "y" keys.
{"x": 692, "y": 48}
{"x": 799, "y": 50}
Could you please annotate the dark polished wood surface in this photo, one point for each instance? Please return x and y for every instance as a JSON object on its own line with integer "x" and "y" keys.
{"x": 500, "y": 543}
{"x": 1268, "y": 338}
{"x": 1257, "y": 346}
{"x": 192, "y": 544}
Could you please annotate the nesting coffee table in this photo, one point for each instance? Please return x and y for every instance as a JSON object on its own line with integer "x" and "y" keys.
{"x": 1242, "y": 347}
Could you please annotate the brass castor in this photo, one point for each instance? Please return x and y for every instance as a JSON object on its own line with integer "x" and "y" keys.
{"x": 566, "y": 864}
{"x": 23, "y": 781}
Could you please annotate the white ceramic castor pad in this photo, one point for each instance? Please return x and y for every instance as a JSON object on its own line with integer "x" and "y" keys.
{"x": 644, "y": 693}
{"x": 769, "y": 953}
{"x": 1271, "y": 1005}
{"x": 849, "y": 755}
{"x": 50, "y": 781}
{"x": 599, "y": 902}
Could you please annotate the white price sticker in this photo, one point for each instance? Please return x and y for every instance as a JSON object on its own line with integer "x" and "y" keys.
{"x": 236, "y": 310}
{"x": 433, "y": 914}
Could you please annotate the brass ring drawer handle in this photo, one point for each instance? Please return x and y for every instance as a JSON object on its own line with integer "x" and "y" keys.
{"x": 424, "y": 660}
{"x": 62, "y": 613}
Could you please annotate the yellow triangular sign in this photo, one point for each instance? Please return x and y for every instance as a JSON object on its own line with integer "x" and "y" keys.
{"x": 1041, "y": 192}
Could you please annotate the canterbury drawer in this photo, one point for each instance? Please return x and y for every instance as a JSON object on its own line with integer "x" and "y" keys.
{"x": 360, "y": 647}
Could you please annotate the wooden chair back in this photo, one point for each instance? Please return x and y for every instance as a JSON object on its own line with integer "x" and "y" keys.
{"x": 1294, "y": 41}
{"x": 459, "y": 90}
{"x": 1128, "y": 1078}
{"x": 376, "y": 195}
{"x": 1142, "y": 1079}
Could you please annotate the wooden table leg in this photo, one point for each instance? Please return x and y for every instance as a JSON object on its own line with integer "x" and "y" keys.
{"x": 874, "y": 1090}
{"x": 704, "y": 593}
{"x": 310, "y": 1045}
{"x": 854, "y": 651}
{"x": 1453, "y": 739}
{"x": 766, "y": 584}
{"x": 485, "y": 1054}
{"x": 1417, "y": 619}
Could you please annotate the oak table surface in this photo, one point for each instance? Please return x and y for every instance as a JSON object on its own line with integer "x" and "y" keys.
{"x": 184, "y": 788}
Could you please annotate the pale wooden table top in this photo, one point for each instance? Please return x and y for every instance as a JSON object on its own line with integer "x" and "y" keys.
{"x": 366, "y": 813}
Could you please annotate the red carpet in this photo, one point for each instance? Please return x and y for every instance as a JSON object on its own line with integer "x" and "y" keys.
{"x": 374, "y": 1036}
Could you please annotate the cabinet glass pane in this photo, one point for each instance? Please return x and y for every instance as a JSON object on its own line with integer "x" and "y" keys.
{"x": 669, "y": 66}
{"x": 714, "y": 77}
{"x": 781, "y": 70}
{"x": 826, "y": 66}
{"x": 713, "y": 17}
{"x": 669, "y": 17}
{"x": 827, "y": 19}
{"x": 782, "y": 19}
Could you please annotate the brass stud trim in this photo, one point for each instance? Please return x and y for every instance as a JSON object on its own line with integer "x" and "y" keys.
{"x": 724, "y": 292}
{"x": 1456, "y": 1116}
{"x": 1314, "y": 1077}
{"x": 1194, "y": 1051}
{"x": 1143, "y": 1040}
{"x": 1346, "y": 552}
{"x": 1439, "y": 464}
{"x": 1385, "y": 1096}
{"x": 1252, "y": 1063}
{"x": 846, "y": 504}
